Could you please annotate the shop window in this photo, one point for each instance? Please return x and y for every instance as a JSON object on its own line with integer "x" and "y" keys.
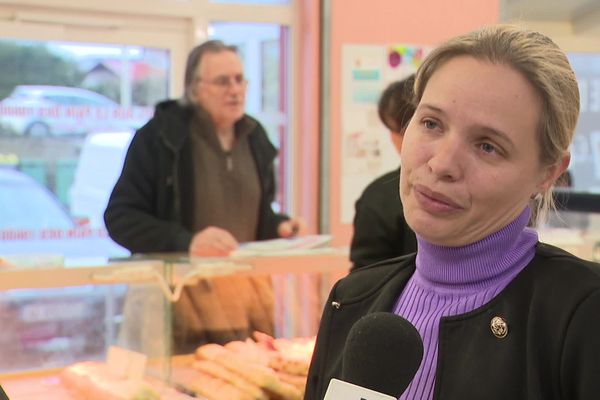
{"x": 57, "y": 100}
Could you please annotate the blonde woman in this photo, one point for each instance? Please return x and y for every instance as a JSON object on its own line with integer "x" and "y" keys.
{"x": 501, "y": 315}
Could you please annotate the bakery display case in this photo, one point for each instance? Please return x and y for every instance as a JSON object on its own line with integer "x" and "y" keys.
{"x": 259, "y": 343}
{"x": 58, "y": 313}
{"x": 71, "y": 327}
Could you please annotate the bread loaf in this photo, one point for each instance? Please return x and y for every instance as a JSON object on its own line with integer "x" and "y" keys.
{"x": 94, "y": 381}
{"x": 218, "y": 371}
{"x": 211, "y": 352}
{"x": 251, "y": 351}
{"x": 290, "y": 365}
{"x": 216, "y": 389}
{"x": 278, "y": 367}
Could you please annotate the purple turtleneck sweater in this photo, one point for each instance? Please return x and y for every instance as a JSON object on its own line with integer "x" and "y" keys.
{"x": 455, "y": 280}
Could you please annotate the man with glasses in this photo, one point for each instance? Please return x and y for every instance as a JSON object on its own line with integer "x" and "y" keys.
{"x": 199, "y": 178}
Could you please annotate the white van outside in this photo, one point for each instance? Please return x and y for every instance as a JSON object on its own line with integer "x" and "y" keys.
{"x": 99, "y": 166}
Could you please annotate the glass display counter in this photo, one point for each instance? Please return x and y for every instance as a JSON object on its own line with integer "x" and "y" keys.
{"x": 56, "y": 313}
{"x": 246, "y": 325}
{"x": 59, "y": 314}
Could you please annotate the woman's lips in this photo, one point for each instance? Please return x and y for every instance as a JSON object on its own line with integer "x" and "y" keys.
{"x": 434, "y": 202}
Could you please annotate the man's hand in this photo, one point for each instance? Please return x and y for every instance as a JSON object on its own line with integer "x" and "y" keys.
{"x": 291, "y": 227}
{"x": 212, "y": 242}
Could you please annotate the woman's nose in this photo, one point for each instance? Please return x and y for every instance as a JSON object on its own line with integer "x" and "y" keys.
{"x": 447, "y": 158}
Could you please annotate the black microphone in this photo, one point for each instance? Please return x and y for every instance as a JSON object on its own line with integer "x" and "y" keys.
{"x": 382, "y": 354}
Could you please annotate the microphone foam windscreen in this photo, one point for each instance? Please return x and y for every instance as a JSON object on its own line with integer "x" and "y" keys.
{"x": 382, "y": 352}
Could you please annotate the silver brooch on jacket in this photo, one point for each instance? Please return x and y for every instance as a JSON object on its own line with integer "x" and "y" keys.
{"x": 499, "y": 327}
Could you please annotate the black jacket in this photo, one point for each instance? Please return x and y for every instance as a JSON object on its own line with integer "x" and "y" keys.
{"x": 152, "y": 204}
{"x": 380, "y": 231}
{"x": 551, "y": 352}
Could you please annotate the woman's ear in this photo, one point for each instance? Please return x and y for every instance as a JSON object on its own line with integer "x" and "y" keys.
{"x": 552, "y": 172}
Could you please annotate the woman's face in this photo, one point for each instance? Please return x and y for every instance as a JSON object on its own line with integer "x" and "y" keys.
{"x": 470, "y": 156}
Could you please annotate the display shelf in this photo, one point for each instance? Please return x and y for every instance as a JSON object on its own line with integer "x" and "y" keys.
{"x": 77, "y": 274}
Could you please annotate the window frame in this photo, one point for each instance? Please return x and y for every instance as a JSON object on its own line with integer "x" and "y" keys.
{"x": 173, "y": 25}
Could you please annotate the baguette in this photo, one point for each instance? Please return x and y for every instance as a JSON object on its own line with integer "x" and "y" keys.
{"x": 299, "y": 382}
{"x": 275, "y": 369}
{"x": 216, "y": 389}
{"x": 93, "y": 380}
{"x": 290, "y": 365}
{"x": 285, "y": 391}
{"x": 251, "y": 351}
{"x": 218, "y": 371}
{"x": 210, "y": 352}
{"x": 262, "y": 376}
{"x": 264, "y": 340}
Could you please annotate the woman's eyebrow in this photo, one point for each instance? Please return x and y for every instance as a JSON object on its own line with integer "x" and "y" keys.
{"x": 431, "y": 107}
{"x": 489, "y": 130}
{"x": 497, "y": 134}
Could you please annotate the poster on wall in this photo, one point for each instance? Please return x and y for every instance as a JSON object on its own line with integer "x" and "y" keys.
{"x": 367, "y": 150}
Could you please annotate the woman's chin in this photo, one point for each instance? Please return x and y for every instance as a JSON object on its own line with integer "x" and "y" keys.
{"x": 440, "y": 235}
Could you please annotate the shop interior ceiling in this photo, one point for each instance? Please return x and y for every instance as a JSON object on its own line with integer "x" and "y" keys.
{"x": 584, "y": 15}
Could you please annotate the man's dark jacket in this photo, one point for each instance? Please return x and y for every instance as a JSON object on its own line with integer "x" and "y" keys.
{"x": 152, "y": 204}
{"x": 551, "y": 352}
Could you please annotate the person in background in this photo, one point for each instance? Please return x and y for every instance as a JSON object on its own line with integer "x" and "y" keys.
{"x": 199, "y": 176}
{"x": 380, "y": 231}
{"x": 501, "y": 315}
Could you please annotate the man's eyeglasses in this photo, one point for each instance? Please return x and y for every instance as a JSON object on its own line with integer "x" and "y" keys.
{"x": 226, "y": 82}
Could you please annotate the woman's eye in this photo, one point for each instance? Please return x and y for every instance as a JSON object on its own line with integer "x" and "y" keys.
{"x": 429, "y": 124}
{"x": 488, "y": 148}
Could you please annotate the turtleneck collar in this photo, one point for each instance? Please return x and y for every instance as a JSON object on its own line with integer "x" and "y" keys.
{"x": 478, "y": 265}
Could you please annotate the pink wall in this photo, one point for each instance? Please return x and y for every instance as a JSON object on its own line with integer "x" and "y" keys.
{"x": 425, "y": 22}
{"x": 306, "y": 143}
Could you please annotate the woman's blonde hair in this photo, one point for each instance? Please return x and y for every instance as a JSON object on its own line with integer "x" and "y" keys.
{"x": 543, "y": 64}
